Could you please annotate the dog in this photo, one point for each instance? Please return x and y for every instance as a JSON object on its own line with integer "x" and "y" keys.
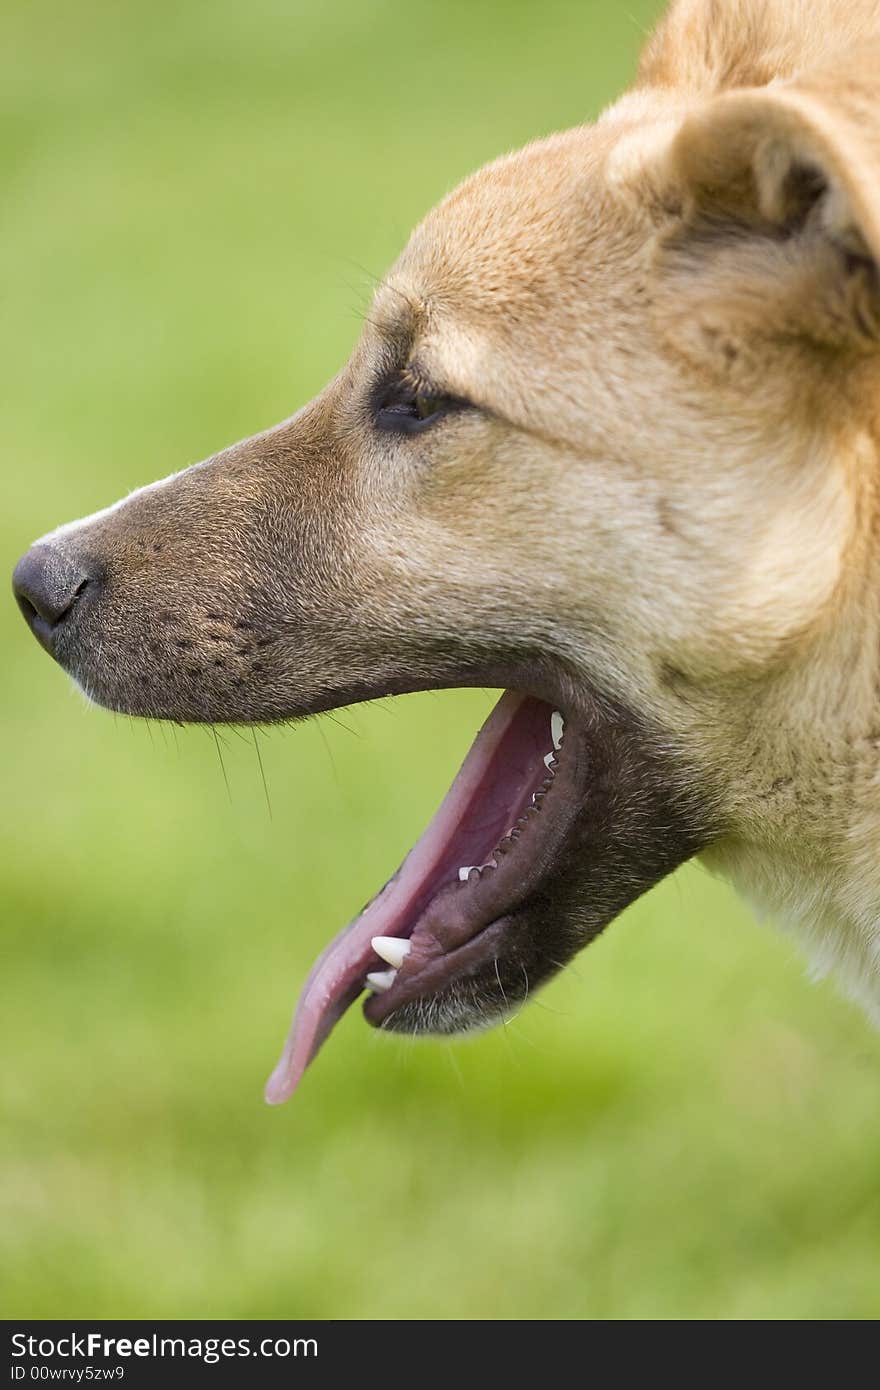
{"x": 609, "y": 441}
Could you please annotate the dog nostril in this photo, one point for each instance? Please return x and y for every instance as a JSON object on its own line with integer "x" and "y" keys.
{"x": 47, "y": 585}
{"x": 28, "y": 611}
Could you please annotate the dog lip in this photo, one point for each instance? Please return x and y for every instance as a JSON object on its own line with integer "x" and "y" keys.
{"x": 464, "y": 926}
{"x": 498, "y": 782}
{"x": 437, "y": 967}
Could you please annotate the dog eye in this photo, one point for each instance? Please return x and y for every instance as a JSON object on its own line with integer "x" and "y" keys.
{"x": 426, "y": 406}
{"x": 404, "y": 409}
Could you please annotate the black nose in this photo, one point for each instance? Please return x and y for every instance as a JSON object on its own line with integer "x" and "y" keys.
{"x": 48, "y": 585}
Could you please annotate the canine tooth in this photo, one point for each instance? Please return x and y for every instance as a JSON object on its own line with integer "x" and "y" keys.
{"x": 557, "y": 727}
{"x": 394, "y": 949}
{"x": 465, "y": 871}
{"x": 380, "y": 980}
{"x": 550, "y": 760}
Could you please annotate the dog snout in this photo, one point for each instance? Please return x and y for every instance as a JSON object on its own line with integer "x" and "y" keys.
{"x": 49, "y": 586}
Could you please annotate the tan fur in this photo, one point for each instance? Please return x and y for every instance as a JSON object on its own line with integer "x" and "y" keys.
{"x": 670, "y": 323}
{"x": 805, "y": 771}
{"x": 722, "y": 463}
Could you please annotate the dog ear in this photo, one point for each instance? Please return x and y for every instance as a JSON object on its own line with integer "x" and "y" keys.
{"x": 778, "y": 218}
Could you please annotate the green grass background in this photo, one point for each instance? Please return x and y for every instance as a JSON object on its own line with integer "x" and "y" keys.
{"x": 195, "y": 198}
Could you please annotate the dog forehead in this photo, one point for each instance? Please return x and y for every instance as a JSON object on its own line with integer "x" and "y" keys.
{"x": 524, "y": 273}
{"x": 513, "y": 230}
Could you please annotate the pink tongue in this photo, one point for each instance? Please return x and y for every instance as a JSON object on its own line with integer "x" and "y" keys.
{"x": 486, "y": 797}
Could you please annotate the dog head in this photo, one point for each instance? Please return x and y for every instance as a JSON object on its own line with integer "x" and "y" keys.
{"x": 599, "y": 445}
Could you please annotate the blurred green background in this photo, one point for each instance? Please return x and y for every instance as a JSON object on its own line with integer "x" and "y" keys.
{"x": 196, "y": 197}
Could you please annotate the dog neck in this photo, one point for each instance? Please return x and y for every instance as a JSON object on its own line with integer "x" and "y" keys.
{"x": 805, "y": 848}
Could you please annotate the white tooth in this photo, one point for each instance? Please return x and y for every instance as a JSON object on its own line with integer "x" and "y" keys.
{"x": 380, "y": 980}
{"x": 394, "y": 949}
{"x": 557, "y": 725}
{"x": 550, "y": 760}
{"x": 464, "y": 871}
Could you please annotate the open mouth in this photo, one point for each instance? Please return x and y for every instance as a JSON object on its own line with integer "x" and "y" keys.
{"x": 560, "y": 817}
{"x": 442, "y": 921}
